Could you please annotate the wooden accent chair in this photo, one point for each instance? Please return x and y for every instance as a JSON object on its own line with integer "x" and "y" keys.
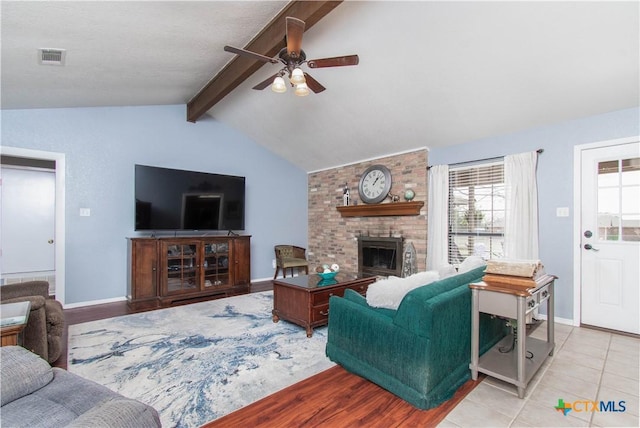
{"x": 289, "y": 257}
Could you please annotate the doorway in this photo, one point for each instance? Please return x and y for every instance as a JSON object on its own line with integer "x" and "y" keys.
{"x": 55, "y": 164}
{"x": 608, "y": 235}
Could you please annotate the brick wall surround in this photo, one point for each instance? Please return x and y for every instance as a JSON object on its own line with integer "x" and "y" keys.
{"x": 333, "y": 239}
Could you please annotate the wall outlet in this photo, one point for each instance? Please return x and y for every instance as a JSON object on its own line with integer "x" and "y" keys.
{"x": 273, "y": 263}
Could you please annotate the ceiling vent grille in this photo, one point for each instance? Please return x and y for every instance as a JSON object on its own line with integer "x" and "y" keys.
{"x": 51, "y": 56}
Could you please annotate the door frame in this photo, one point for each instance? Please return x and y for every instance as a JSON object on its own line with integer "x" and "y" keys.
{"x": 577, "y": 216}
{"x": 59, "y": 252}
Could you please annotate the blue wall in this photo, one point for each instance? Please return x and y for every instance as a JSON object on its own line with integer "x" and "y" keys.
{"x": 555, "y": 181}
{"x": 102, "y": 145}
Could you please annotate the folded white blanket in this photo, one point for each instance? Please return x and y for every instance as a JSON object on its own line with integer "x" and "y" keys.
{"x": 388, "y": 293}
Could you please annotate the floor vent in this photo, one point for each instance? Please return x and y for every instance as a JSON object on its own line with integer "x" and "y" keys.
{"x": 51, "y": 56}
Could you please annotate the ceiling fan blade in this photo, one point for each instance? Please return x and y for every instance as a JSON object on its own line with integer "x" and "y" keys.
{"x": 265, "y": 83}
{"x": 295, "y": 28}
{"x": 337, "y": 61}
{"x": 250, "y": 54}
{"x": 313, "y": 84}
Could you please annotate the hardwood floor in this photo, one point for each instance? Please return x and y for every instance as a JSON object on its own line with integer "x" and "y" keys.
{"x": 337, "y": 398}
{"x": 332, "y": 398}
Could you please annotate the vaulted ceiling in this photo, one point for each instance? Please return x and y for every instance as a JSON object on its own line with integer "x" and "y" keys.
{"x": 431, "y": 74}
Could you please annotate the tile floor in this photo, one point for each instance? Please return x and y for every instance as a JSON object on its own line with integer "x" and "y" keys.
{"x": 587, "y": 365}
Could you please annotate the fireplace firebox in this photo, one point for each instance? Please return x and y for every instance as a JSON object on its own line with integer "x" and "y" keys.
{"x": 380, "y": 256}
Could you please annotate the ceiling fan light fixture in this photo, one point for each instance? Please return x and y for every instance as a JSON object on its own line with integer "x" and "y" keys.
{"x": 297, "y": 77}
{"x": 302, "y": 90}
{"x": 279, "y": 85}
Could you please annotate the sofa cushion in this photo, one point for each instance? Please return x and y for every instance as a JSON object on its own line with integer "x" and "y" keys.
{"x": 23, "y": 372}
{"x": 388, "y": 293}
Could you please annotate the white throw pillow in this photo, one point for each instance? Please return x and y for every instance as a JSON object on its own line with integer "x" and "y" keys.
{"x": 388, "y": 293}
{"x": 470, "y": 263}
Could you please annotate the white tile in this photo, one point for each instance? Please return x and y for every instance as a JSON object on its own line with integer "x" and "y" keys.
{"x": 611, "y": 419}
{"x": 548, "y": 396}
{"x": 585, "y": 350}
{"x": 582, "y": 387}
{"x": 624, "y": 369}
{"x": 620, "y": 383}
{"x": 535, "y": 414}
{"x": 495, "y": 398}
{"x": 446, "y": 423}
{"x": 471, "y": 414}
{"x": 625, "y": 344}
{"x": 631, "y": 402}
{"x": 574, "y": 369}
{"x": 624, "y": 356}
{"x": 567, "y": 356}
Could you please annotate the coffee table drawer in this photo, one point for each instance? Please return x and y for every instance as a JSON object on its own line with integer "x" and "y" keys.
{"x": 322, "y": 297}
{"x": 320, "y": 313}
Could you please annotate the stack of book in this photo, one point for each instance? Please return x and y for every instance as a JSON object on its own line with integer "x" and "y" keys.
{"x": 515, "y": 274}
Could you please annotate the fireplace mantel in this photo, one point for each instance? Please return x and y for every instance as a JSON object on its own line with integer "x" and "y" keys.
{"x": 379, "y": 210}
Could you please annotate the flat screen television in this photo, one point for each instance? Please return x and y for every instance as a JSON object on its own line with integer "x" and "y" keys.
{"x": 173, "y": 199}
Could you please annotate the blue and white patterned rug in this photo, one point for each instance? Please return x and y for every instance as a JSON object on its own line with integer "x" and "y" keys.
{"x": 198, "y": 362}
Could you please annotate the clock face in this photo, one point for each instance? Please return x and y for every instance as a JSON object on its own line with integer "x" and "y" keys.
{"x": 375, "y": 184}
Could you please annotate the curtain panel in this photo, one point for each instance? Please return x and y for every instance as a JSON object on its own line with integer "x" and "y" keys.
{"x": 521, "y": 219}
{"x": 438, "y": 217}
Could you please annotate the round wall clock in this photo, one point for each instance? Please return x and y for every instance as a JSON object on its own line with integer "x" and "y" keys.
{"x": 375, "y": 184}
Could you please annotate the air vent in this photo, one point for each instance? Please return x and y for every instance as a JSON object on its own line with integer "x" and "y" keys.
{"x": 51, "y": 56}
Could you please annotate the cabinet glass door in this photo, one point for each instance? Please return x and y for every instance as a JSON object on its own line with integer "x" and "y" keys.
{"x": 182, "y": 267}
{"x": 216, "y": 264}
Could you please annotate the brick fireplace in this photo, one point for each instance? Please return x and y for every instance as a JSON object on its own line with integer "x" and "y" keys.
{"x": 334, "y": 239}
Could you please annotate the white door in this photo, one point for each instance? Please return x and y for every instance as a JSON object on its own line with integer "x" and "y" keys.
{"x": 610, "y": 241}
{"x": 28, "y": 221}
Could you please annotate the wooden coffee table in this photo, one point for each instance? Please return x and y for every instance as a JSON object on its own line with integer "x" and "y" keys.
{"x": 13, "y": 319}
{"x": 304, "y": 299}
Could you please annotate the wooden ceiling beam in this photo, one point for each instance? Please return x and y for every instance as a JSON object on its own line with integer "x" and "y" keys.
{"x": 268, "y": 42}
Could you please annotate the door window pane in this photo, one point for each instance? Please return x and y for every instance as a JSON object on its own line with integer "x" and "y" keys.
{"x": 619, "y": 200}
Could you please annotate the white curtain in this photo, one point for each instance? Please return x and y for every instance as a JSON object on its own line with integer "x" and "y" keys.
{"x": 521, "y": 222}
{"x": 437, "y": 218}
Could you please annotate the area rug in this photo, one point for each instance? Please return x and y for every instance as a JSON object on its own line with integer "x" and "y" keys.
{"x": 198, "y": 362}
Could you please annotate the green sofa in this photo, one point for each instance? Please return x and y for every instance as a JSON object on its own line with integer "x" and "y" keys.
{"x": 419, "y": 352}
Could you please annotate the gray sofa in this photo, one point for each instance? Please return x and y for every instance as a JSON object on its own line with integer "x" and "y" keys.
{"x": 36, "y": 395}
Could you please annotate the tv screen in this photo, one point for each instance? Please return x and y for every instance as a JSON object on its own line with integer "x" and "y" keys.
{"x": 174, "y": 199}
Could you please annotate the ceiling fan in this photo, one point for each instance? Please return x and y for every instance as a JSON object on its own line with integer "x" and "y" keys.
{"x": 292, "y": 56}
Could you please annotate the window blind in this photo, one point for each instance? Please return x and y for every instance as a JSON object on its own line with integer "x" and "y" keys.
{"x": 476, "y": 211}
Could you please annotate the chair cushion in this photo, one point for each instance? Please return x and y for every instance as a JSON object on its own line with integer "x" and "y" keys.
{"x": 23, "y": 373}
{"x": 292, "y": 262}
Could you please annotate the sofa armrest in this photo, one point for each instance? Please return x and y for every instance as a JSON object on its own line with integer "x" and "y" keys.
{"x": 22, "y": 372}
{"x": 118, "y": 412}
{"x": 37, "y": 302}
{"x": 55, "y": 317}
{"x": 22, "y": 289}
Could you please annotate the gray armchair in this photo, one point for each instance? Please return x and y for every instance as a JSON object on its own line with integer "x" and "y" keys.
{"x": 43, "y": 332}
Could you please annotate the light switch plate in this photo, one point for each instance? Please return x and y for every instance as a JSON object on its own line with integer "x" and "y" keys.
{"x": 562, "y": 212}
{"x": 85, "y": 212}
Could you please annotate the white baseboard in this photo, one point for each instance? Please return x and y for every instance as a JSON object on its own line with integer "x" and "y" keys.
{"x": 559, "y": 320}
{"x": 94, "y": 302}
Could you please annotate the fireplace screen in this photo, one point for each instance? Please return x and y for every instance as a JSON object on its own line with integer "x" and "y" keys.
{"x": 380, "y": 256}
